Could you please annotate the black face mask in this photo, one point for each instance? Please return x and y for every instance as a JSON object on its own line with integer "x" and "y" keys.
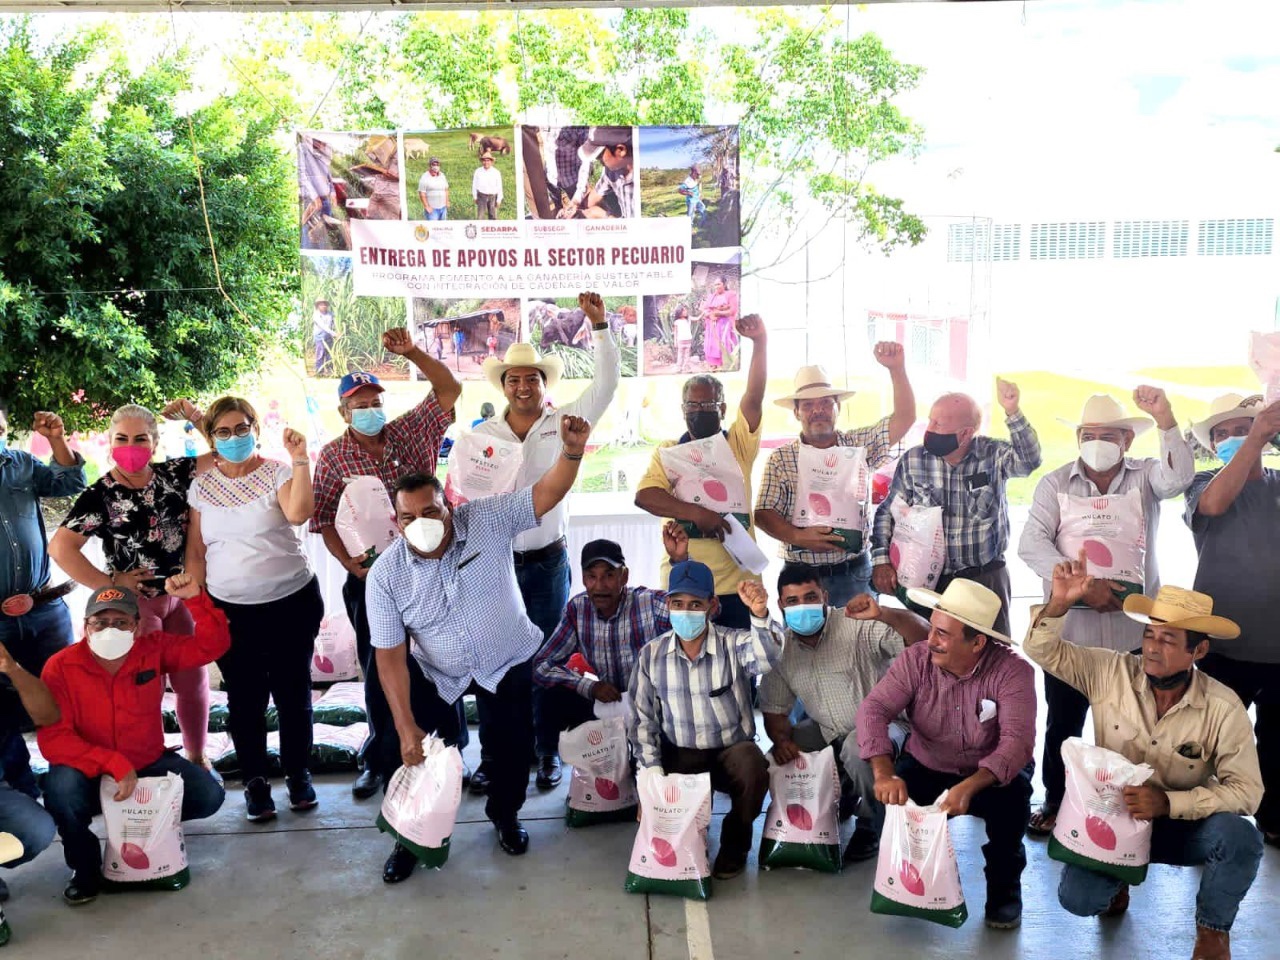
{"x": 1172, "y": 682}
{"x": 703, "y": 424}
{"x": 941, "y": 444}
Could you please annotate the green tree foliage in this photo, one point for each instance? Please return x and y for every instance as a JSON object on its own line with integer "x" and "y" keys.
{"x": 106, "y": 279}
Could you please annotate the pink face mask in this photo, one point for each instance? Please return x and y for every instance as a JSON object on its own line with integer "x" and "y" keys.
{"x": 132, "y": 458}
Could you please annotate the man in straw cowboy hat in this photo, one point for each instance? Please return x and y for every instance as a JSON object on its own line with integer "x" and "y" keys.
{"x": 1234, "y": 515}
{"x": 787, "y": 516}
{"x": 1109, "y": 504}
{"x": 541, "y": 555}
{"x": 704, "y": 476}
{"x": 961, "y": 676}
{"x": 965, "y": 475}
{"x": 1157, "y": 708}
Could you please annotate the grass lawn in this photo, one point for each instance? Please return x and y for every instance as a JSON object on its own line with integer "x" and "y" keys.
{"x": 660, "y": 197}
{"x": 458, "y": 162}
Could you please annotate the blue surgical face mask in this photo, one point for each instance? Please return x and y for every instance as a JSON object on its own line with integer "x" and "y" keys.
{"x": 688, "y": 624}
{"x": 369, "y": 420}
{"x": 236, "y": 449}
{"x": 1229, "y": 447}
{"x": 806, "y": 619}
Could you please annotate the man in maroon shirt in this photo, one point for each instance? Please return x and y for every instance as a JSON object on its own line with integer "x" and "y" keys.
{"x": 108, "y": 689}
{"x": 971, "y": 703}
{"x": 371, "y": 446}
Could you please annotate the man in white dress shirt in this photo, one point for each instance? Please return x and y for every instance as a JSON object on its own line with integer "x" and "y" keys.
{"x": 541, "y": 557}
{"x": 1107, "y": 504}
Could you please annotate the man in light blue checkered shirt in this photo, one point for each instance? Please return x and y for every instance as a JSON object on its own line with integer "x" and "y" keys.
{"x": 691, "y": 692}
{"x": 965, "y": 475}
{"x": 450, "y": 586}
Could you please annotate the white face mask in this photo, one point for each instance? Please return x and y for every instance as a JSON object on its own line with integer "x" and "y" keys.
{"x": 425, "y": 534}
{"x": 111, "y": 644}
{"x": 1100, "y": 455}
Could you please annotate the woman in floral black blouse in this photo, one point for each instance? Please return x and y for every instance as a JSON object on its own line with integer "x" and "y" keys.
{"x": 139, "y": 512}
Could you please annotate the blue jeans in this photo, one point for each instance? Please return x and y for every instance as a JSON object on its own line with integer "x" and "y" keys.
{"x": 72, "y": 799}
{"x": 545, "y": 589}
{"x": 1229, "y": 847}
{"x": 31, "y": 640}
{"x": 439, "y": 213}
{"x": 26, "y": 820}
{"x": 845, "y": 586}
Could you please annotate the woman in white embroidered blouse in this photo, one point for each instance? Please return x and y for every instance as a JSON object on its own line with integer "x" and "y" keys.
{"x": 244, "y": 547}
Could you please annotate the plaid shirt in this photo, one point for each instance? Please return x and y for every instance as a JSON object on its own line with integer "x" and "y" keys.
{"x": 975, "y": 515}
{"x": 568, "y": 162}
{"x": 412, "y": 445}
{"x": 610, "y": 646}
{"x": 782, "y": 476}
{"x": 702, "y": 704}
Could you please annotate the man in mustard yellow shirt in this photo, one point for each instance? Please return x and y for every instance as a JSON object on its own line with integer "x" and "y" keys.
{"x": 704, "y": 476}
{"x": 1157, "y": 708}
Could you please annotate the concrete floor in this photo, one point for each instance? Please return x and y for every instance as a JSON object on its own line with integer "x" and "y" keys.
{"x": 309, "y": 886}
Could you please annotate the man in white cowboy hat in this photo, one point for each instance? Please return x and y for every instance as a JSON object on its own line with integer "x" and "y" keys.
{"x": 1234, "y": 515}
{"x": 541, "y": 555}
{"x": 704, "y": 476}
{"x": 783, "y": 508}
{"x": 486, "y": 188}
{"x": 971, "y": 704}
{"x": 1158, "y": 709}
{"x": 965, "y": 475}
{"x": 1109, "y": 504}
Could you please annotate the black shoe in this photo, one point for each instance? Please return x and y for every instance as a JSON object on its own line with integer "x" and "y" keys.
{"x": 479, "y": 782}
{"x": 302, "y": 795}
{"x": 1004, "y": 908}
{"x": 258, "y": 805}
{"x": 729, "y": 864}
{"x": 366, "y": 784}
{"x": 400, "y": 865}
{"x": 4, "y": 892}
{"x": 82, "y": 889}
{"x": 548, "y": 773}
{"x": 863, "y": 845}
{"x": 512, "y": 837}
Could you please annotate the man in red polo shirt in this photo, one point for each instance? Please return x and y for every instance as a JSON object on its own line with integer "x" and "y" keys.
{"x": 108, "y": 689}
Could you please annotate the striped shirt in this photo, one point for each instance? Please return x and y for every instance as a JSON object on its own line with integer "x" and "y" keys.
{"x": 463, "y": 611}
{"x": 782, "y": 476}
{"x": 701, "y": 704}
{"x": 609, "y": 646}
{"x": 975, "y": 513}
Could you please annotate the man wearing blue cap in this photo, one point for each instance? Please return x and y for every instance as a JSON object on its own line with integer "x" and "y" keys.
{"x": 373, "y": 446}
{"x": 692, "y": 696}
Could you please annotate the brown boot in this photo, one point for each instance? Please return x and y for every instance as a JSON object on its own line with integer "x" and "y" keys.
{"x": 1119, "y": 903}
{"x": 1211, "y": 945}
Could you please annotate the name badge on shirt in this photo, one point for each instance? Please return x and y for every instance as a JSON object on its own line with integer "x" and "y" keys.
{"x": 978, "y": 481}
{"x": 146, "y": 676}
{"x": 722, "y": 691}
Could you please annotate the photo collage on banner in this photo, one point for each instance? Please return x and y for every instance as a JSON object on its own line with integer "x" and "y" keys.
{"x": 498, "y": 228}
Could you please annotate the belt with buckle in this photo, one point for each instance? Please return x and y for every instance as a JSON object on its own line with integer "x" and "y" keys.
{"x": 21, "y": 603}
{"x": 551, "y": 550}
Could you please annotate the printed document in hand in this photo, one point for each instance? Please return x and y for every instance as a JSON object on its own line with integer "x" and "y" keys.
{"x": 746, "y": 552}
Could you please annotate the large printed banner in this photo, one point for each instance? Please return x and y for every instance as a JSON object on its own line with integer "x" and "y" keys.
{"x": 480, "y": 237}
{"x": 457, "y": 258}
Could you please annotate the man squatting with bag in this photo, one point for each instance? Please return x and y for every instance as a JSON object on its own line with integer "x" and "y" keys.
{"x": 961, "y": 677}
{"x": 449, "y": 589}
{"x": 691, "y": 692}
{"x": 1109, "y": 504}
{"x": 1157, "y": 708}
{"x": 831, "y": 660}
{"x": 108, "y": 688}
